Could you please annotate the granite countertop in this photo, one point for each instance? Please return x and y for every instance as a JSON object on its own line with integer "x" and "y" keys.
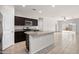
{"x": 37, "y": 33}
{"x": 32, "y": 30}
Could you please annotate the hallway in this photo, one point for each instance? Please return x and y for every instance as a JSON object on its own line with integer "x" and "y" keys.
{"x": 69, "y": 47}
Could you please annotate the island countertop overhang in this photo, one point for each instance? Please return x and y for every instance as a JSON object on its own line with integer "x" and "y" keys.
{"x": 38, "y": 33}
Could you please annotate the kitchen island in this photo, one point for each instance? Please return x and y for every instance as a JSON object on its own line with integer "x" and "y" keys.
{"x": 39, "y": 40}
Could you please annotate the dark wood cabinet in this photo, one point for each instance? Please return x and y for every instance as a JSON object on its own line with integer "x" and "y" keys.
{"x": 19, "y": 21}
{"x": 34, "y": 22}
{"x": 20, "y": 36}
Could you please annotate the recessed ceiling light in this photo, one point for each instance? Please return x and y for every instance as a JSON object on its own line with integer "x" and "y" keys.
{"x": 34, "y": 9}
{"x": 53, "y": 6}
{"x": 40, "y": 11}
{"x": 23, "y": 5}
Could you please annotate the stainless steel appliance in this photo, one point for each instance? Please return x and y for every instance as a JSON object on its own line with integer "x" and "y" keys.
{"x": 28, "y": 23}
{"x": 1, "y": 33}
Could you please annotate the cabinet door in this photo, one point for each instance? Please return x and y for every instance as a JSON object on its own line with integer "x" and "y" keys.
{"x": 19, "y": 20}
{"x": 19, "y": 36}
{"x": 34, "y": 22}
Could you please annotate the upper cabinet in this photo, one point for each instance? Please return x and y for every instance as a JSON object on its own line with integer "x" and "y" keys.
{"x": 20, "y": 21}
{"x": 34, "y": 22}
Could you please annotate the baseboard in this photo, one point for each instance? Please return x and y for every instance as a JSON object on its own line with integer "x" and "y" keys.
{"x": 45, "y": 50}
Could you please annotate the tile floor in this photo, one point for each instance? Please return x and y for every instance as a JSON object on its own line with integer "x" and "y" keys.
{"x": 70, "y": 47}
{"x": 18, "y": 48}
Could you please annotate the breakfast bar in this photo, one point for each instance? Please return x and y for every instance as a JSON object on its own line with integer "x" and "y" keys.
{"x": 39, "y": 40}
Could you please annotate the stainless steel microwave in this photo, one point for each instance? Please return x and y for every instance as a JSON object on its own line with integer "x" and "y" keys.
{"x": 28, "y": 23}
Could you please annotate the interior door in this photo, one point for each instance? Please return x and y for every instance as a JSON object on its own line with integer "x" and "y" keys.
{"x": 1, "y": 33}
{"x": 0, "y": 37}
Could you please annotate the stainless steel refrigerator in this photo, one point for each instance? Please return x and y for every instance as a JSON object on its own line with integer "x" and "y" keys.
{"x": 1, "y": 33}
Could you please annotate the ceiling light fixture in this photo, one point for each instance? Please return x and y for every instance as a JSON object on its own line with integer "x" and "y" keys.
{"x": 53, "y": 6}
{"x": 40, "y": 11}
{"x": 34, "y": 9}
{"x": 23, "y": 5}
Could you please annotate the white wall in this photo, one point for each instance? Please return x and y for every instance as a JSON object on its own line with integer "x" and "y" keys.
{"x": 71, "y": 23}
{"x": 8, "y": 26}
{"x": 1, "y": 29}
{"x": 76, "y": 21}
{"x": 40, "y": 24}
{"x": 49, "y": 23}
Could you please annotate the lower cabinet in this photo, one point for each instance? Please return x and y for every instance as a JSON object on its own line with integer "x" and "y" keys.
{"x": 20, "y": 36}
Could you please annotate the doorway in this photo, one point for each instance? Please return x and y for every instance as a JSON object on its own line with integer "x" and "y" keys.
{"x": 1, "y": 33}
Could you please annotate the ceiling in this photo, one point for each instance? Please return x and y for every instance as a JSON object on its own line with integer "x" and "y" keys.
{"x": 47, "y": 10}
